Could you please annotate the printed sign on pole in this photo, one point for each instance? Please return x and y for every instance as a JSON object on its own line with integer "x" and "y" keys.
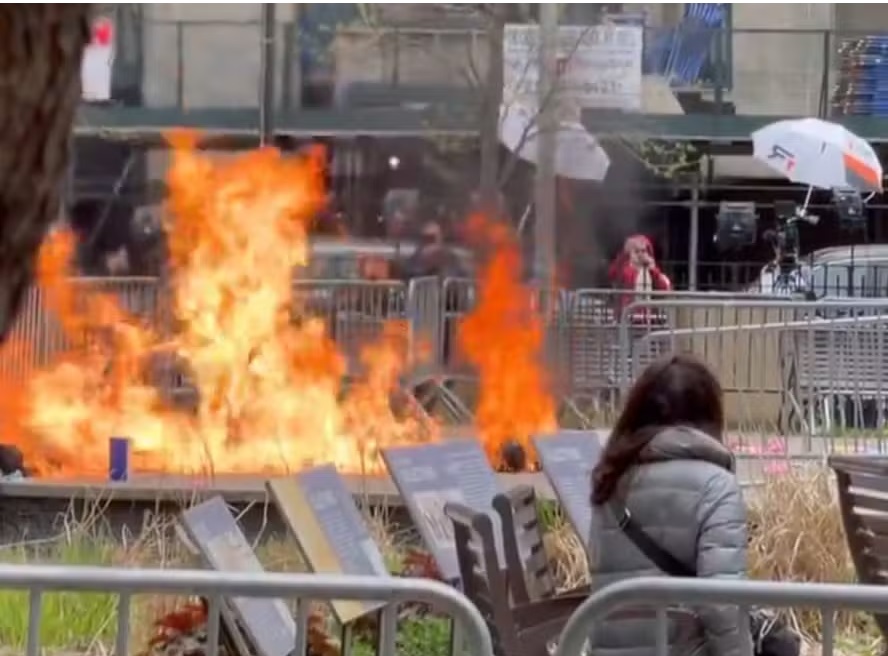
{"x": 98, "y": 61}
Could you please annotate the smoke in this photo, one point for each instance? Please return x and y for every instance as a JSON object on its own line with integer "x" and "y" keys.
{"x": 595, "y": 218}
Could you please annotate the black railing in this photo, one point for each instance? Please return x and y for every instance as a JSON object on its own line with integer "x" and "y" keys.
{"x": 381, "y": 78}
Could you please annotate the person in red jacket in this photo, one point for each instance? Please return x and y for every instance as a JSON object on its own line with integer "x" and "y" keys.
{"x": 635, "y": 269}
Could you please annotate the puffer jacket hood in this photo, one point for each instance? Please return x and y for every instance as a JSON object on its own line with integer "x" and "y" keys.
{"x": 684, "y": 495}
{"x": 681, "y": 443}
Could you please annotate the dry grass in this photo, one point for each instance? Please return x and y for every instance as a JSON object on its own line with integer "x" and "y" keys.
{"x": 796, "y": 529}
{"x": 796, "y": 535}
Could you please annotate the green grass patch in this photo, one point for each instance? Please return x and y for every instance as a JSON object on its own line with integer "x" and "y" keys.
{"x": 73, "y": 620}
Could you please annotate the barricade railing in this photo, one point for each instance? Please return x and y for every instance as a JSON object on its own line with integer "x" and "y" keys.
{"x": 597, "y": 340}
{"x": 426, "y": 346}
{"x": 659, "y": 593}
{"x": 784, "y": 365}
{"x": 304, "y": 588}
{"x": 36, "y": 336}
{"x": 582, "y": 330}
{"x": 355, "y": 312}
{"x": 707, "y": 317}
{"x": 588, "y": 324}
{"x": 458, "y": 297}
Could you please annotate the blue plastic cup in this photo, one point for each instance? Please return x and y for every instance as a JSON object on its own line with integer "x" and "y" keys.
{"x": 119, "y": 458}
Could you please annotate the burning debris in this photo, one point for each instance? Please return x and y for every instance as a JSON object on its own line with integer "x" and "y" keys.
{"x": 269, "y": 376}
{"x": 12, "y": 464}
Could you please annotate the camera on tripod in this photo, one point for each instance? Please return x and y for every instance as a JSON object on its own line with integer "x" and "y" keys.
{"x": 784, "y": 239}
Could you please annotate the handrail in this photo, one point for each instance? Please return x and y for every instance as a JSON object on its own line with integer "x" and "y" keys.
{"x": 125, "y": 582}
{"x": 662, "y": 591}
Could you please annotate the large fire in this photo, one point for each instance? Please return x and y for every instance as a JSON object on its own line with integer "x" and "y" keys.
{"x": 270, "y": 378}
{"x": 504, "y": 338}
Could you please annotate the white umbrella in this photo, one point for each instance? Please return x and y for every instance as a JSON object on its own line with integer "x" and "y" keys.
{"x": 819, "y": 154}
{"x": 578, "y": 155}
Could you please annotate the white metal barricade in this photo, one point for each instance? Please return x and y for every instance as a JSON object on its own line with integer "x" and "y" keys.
{"x": 659, "y": 593}
{"x": 305, "y": 588}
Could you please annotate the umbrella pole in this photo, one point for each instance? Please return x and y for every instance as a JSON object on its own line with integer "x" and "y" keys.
{"x": 807, "y": 199}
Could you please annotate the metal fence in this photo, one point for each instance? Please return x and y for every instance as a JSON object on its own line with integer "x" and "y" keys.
{"x": 659, "y": 593}
{"x": 811, "y": 371}
{"x": 171, "y": 62}
{"x": 38, "y": 337}
{"x": 787, "y": 366}
{"x": 175, "y": 57}
{"x": 304, "y": 588}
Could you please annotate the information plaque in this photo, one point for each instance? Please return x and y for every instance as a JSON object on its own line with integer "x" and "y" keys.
{"x": 321, "y": 514}
{"x": 429, "y": 476}
{"x": 567, "y": 459}
{"x": 215, "y": 533}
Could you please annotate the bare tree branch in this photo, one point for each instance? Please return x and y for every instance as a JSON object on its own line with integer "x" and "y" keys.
{"x": 511, "y": 162}
{"x": 496, "y": 171}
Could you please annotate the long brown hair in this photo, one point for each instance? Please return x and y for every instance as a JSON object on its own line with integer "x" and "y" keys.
{"x": 679, "y": 390}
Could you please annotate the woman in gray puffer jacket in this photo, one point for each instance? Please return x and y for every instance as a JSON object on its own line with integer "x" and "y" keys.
{"x": 665, "y": 463}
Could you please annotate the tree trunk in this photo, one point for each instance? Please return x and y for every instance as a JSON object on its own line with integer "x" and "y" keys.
{"x": 41, "y": 47}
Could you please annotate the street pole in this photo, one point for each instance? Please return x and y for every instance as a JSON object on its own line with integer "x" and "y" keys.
{"x": 547, "y": 124}
{"x": 694, "y": 243}
{"x": 266, "y": 82}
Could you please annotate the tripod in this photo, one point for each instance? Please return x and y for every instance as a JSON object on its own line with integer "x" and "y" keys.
{"x": 789, "y": 278}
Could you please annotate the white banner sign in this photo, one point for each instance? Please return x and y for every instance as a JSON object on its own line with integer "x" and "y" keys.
{"x": 598, "y": 66}
{"x": 98, "y": 60}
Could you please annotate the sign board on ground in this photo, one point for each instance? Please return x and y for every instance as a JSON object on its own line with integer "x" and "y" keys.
{"x": 215, "y": 533}
{"x": 429, "y": 476}
{"x": 321, "y": 514}
{"x": 598, "y": 66}
{"x": 567, "y": 459}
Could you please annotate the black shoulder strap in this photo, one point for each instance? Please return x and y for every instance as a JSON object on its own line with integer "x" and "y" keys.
{"x": 668, "y": 563}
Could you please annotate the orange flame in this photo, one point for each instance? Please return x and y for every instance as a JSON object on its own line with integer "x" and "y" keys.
{"x": 266, "y": 375}
{"x": 503, "y": 337}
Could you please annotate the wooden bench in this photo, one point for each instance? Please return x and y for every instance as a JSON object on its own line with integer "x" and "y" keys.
{"x": 863, "y": 503}
{"x": 520, "y": 629}
{"x": 527, "y": 564}
{"x": 530, "y": 628}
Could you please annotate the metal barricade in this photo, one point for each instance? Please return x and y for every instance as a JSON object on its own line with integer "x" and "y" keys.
{"x": 841, "y": 373}
{"x": 355, "y": 312}
{"x": 591, "y": 361}
{"x": 37, "y": 337}
{"x": 458, "y": 296}
{"x": 778, "y": 360}
{"x": 659, "y": 593}
{"x": 426, "y": 345}
{"x": 127, "y": 582}
{"x": 583, "y": 350}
